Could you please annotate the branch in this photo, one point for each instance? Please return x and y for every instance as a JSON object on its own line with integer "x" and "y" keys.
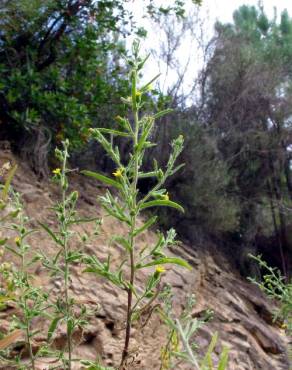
{"x": 52, "y": 38}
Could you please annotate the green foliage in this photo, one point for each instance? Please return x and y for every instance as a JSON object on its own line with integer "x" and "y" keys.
{"x": 61, "y": 70}
{"x": 65, "y": 309}
{"x": 247, "y": 87}
{"x": 180, "y": 345}
{"x": 17, "y": 283}
{"x": 203, "y": 181}
{"x": 34, "y": 303}
{"x": 128, "y": 206}
{"x": 275, "y": 287}
{"x": 55, "y": 69}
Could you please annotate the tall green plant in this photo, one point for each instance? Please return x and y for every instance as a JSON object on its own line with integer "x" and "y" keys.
{"x": 17, "y": 283}
{"x": 60, "y": 265}
{"x": 276, "y": 287}
{"x": 180, "y": 346}
{"x": 31, "y": 300}
{"x": 130, "y": 203}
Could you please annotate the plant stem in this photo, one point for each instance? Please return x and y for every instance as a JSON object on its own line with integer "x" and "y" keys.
{"x": 133, "y": 212}
{"x": 27, "y": 332}
{"x": 187, "y": 346}
{"x": 166, "y": 349}
{"x": 67, "y": 303}
{"x": 26, "y": 308}
{"x": 67, "y": 267}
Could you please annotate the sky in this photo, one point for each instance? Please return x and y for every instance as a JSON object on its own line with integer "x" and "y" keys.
{"x": 223, "y": 9}
{"x": 189, "y": 55}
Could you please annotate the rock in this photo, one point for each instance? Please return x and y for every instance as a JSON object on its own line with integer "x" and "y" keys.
{"x": 242, "y": 315}
{"x": 269, "y": 341}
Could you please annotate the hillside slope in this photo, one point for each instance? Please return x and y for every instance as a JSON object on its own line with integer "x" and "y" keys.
{"x": 242, "y": 315}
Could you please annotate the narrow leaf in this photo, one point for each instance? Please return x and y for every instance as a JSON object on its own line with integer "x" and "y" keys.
{"x": 145, "y": 87}
{"x": 206, "y": 359}
{"x": 164, "y": 260}
{"x": 13, "y": 251}
{"x": 144, "y": 175}
{"x": 83, "y": 220}
{"x": 53, "y": 327}
{"x": 147, "y": 224}
{"x": 102, "y": 178}
{"x": 114, "y": 132}
{"x": 162, "y": 203}
{"x": 123, "y": 242}
{"x": 162, "y": 113}
{"x": 177, "y": 168}
{"x": 6, "y": 298}
{"x": 50, "y": 232}
{"x": 223, "y": 359}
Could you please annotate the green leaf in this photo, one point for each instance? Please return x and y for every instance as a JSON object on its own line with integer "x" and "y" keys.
{"x": 145, "y": 87}
{"x": 223, "y": 362}
{"x": 83, "y": 220}
{"x": 162, "y": 203}
{"x": 146, "y": 132}
{"x": 70, "y": 325}
{"x": 145, "y": 175}
{"x": 74, "y": 256}
{"x": 105, "y": 274}
{"x": 141, "y": 64}
{"x": 102, "y": 178}
{"x": 53, "y": 326}
{"x": 177, "y": 168}
{"x": 206, "y": 360}
{"x": 116, "y": 215}
{"x": 2, "y": 206}
{"x": 113, "y": 132}
{"x": 147, "y": 224}
{"x": 51, "y": 233}
{"x": 14, "y": 214}
{"x": 164, "y": 260}
{"x": 162, "y": 113}
{"x": 94, "y": 366}
{"x": 124, "y": 242}
{"x": 6, "y": 298}
{"x": 13, "y": 251}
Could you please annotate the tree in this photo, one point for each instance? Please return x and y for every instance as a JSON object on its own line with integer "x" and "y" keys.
{"x": 56, "y": 71}
{"x": 247, "y": 98}
{"x": 60, "y": 64}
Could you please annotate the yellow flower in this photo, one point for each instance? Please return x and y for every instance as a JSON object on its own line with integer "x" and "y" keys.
{"x": 138, "y": 94}
{"x": 160, "y": 269}
{"x": 118, "y": 173}
{"x": 57, "y": 171}
{"x": 17, "y": 240}
{"x": 165, "y": 196}
{"x": 283, "y": 326}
